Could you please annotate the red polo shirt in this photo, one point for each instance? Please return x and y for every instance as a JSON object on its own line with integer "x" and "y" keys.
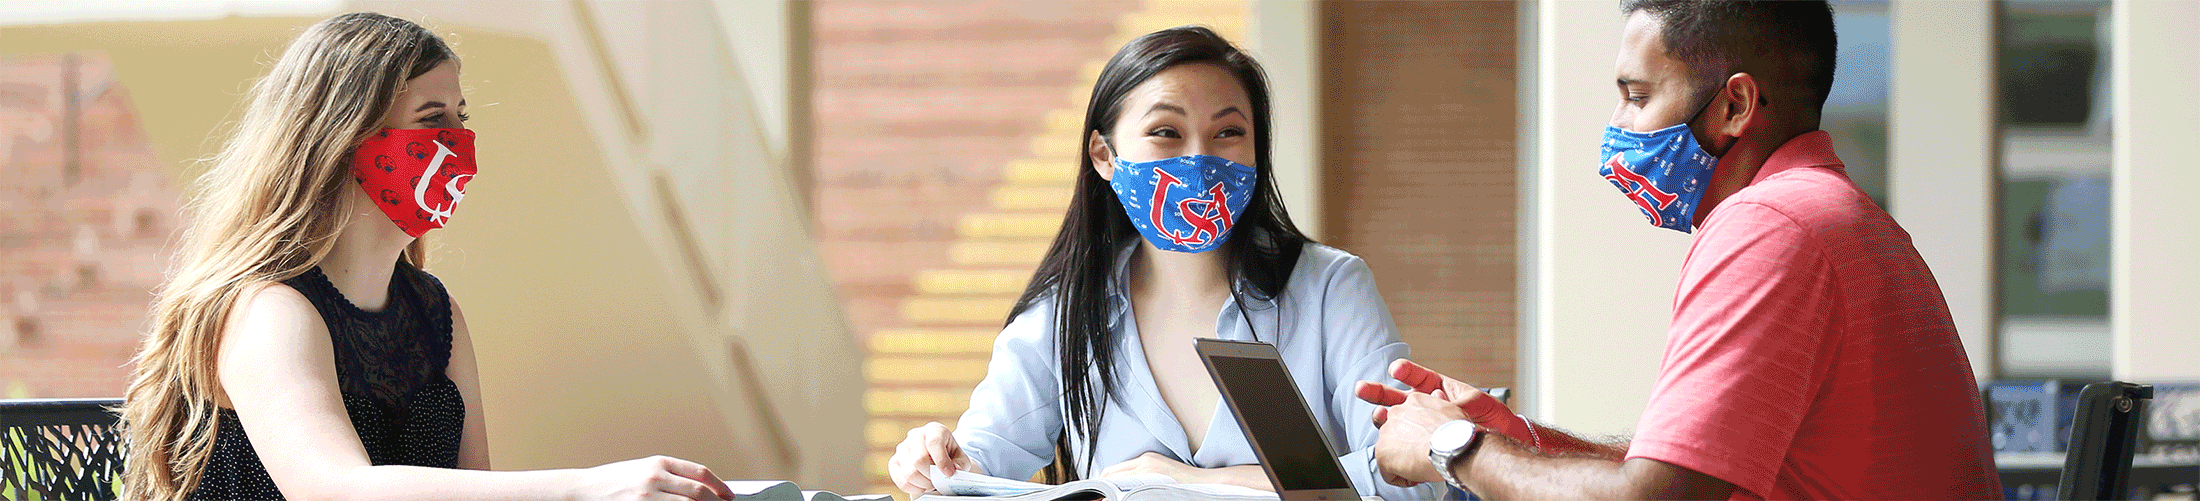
{"x": 1811, "y": 355}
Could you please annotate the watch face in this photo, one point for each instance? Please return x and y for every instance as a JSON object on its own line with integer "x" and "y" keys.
{"x": 1451, "y": 436}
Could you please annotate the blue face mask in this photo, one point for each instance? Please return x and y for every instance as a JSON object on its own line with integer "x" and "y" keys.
{"x": 1664, "y": 171}
{"x": 1184, "y": 204}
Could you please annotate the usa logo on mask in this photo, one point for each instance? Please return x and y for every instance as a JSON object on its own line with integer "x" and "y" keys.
{"x": 1184, "y": 204}
{"x": 1208, "y": 216}
{"x": 1647, "y": 196}
{"x": 1664, "y": 172}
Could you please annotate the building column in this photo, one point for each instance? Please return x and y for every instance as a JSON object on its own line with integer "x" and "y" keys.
{"x": 1941, "y": 148}
{"x": 2154, "y": 232}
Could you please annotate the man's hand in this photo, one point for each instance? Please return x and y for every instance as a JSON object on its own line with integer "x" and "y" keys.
{"x": 1401, "y": 449}
{"x": 1481, "y": 408}
{"x": 1407, "y": 418}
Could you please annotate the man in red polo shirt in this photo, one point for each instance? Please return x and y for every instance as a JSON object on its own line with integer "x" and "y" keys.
{"x": 1810, "y": 356}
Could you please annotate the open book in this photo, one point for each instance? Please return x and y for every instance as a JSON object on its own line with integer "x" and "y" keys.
{"x": 781, "y": 490}
{"x": 973, "y": 486}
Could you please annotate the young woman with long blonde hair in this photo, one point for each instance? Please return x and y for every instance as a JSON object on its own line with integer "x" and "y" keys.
{"x": 298, "y": 349}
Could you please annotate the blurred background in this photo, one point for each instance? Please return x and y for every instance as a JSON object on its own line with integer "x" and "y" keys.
{"x": 772, "y": 236}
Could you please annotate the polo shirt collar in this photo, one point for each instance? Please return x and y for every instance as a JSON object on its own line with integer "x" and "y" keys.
{"x": 1812, "y": 149}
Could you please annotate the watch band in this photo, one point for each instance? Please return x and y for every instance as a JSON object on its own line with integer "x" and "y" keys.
{"x": 1444, "y": 459}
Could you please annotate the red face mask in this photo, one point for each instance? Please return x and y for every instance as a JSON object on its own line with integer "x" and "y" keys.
{"x": 416, "y": 176}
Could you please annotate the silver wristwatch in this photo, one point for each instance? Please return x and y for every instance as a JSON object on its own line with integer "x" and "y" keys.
{"x": 1448, "y": 443}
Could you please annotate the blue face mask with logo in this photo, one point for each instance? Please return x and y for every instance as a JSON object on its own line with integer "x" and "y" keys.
{"x": 1184, "y": 204}
{"x": 1664, "y": 171}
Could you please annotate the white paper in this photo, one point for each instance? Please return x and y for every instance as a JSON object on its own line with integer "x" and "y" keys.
{"x": 965, "y": 483}
{"x": 764, "y": 489}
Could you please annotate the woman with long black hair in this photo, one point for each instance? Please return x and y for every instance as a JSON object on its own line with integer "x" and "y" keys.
{"x": 1175, "y": 232}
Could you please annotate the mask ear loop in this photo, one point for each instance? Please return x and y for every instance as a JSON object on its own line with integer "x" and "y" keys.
{"x": 1109, "y": 144}
{"x": 1248, "y": 319}
{"x": 1700, "y": 109}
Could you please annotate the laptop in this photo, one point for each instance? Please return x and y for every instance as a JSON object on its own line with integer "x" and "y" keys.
{"x": 1276, "y": 420}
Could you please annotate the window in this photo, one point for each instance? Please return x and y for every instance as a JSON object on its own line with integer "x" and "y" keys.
{"x": 1856, "y": 110}
{"x": 2052, "y": 271}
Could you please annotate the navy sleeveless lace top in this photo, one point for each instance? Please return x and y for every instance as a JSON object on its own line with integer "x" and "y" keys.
{"x": 390, "y": 370}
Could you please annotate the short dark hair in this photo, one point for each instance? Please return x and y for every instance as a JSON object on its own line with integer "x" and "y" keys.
{"x": 1715, "y": 37}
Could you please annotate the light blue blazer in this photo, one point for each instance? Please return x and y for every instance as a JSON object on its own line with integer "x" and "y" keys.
{"x": 1329, "y": 324}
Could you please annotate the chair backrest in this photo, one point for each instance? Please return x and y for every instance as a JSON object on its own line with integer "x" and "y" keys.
{"x": 55, "y": 448}
{"x": 2103, "y": 438}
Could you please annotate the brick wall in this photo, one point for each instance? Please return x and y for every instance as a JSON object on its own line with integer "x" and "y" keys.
{"x": 918, "y": 106}
{"x": 83, "y": 234}
{"x": 941, "y": 165}
{"x": 1418, "y": 139}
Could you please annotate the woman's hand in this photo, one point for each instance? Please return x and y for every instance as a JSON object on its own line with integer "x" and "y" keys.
{"x": 1154, "y": 462}
{"x": 926, "y": 446}
{"x": 651, "y": 478}
{"x": 1249, "y": 475}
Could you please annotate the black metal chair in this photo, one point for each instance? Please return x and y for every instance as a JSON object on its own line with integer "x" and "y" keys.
{"x": 55, "y": 448}
{"x": 2103, "y": 438}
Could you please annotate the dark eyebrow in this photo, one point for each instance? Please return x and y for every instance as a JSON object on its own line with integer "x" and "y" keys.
{"x": 1165, "y": 107}
{"x": 435, "y": 104}
{"x": 1226, "y": 111}
{"x": 1629, "y": 81}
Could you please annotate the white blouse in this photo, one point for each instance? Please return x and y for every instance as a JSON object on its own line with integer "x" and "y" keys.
{"x": 1330, "y": 325}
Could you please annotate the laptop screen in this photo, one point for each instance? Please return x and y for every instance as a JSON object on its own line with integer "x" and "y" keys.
{"x": 1278, "y": 423}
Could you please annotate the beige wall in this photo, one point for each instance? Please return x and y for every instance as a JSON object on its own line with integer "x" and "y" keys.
{"x": 1420, "y": 172}
{"x": 1604, "y": 280}
{"x": 582, "y": 359}
{"x": 2154, "y": 327}
{"x": 1942, "y": 174}
{"x": 1285, "y": 35}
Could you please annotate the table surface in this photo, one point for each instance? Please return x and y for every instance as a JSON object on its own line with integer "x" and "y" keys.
{"x": 2054, "y": 461}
